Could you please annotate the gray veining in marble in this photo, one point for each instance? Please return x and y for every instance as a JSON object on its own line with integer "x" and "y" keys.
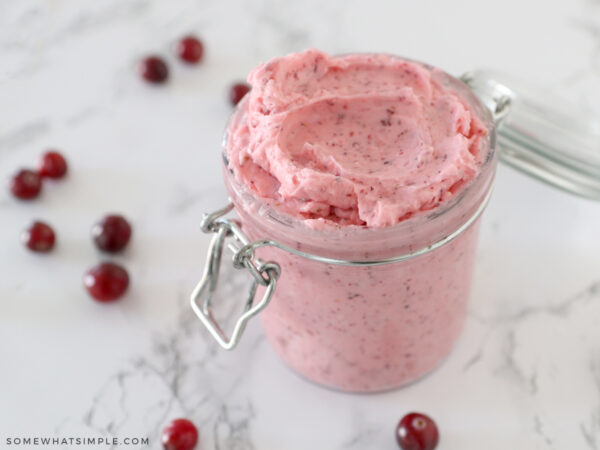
{"x": 525, "y": 375}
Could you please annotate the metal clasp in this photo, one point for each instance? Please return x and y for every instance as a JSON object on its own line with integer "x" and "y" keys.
{"x": 497, "y": 100}
{"x": 264, "y": 274}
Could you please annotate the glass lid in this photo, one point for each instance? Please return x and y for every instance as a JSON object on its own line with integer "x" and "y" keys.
{"x": 540, "y": 134}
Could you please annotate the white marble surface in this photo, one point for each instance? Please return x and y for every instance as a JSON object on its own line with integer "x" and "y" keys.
{"x": 524, "y": 375}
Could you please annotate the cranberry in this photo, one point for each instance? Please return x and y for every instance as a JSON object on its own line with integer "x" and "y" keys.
{"x": 417, "y": 432}
{"x": 237, "y": 92}
{"x": 190, "y": 49}
{"x": 112, "y": 233}
{"x": 106, "y": 281}
{"x": 26, "y": 184}
{"x": 154, "y": 69}
{"x": 38, "y": 236}
{"x": 52, "y": 165}
{"x": 180, "y": 434}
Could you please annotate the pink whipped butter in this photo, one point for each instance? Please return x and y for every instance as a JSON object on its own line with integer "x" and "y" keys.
{"x": 359, "y": 139}
{"x": 361, "y": 157}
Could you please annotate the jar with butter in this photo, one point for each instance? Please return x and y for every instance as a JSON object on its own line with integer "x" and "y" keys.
{"x": 359, "y": 181}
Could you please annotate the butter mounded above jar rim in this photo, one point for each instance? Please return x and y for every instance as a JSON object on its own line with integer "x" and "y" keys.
{"x": 354, "y": 140}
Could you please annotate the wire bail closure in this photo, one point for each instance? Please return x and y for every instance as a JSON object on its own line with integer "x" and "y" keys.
{"x": 264, "y": 274}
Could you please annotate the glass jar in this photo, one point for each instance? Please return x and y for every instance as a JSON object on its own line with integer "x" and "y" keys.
{"x": 370, "y": 309}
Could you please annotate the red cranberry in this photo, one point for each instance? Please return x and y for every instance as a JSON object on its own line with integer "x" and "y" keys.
{"x": 106, "y": 281}
{"x": 180, "y": 434}
{"x": 417, "y": 432}
{"x": 39, "y": 237}
{"x": 154, "y": 69}
{"x": 190, "y": 49}
{"x": 237, "y": 92}
{"x": 52, "y": 165}
{"x": 112, "y": 233}
{"x": 26, "y": 184}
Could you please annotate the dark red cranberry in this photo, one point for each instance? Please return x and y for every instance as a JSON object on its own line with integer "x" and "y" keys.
{"x": 52, "y": 165}
{"x": 237, "y": 92}
{"x": 417, "y": 432}
{"x": 154, "y": 69}
{"x": 111, "y": 234}
{"x": 26, "y": 184}
{"x": 106, "y": 281}
{"x": 39, "y": 237}
{"x": 190, "y": 49}
{"x": 180, "y": 434}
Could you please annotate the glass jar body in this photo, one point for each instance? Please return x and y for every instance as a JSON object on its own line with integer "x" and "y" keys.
{"x": 367, "y": 328}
